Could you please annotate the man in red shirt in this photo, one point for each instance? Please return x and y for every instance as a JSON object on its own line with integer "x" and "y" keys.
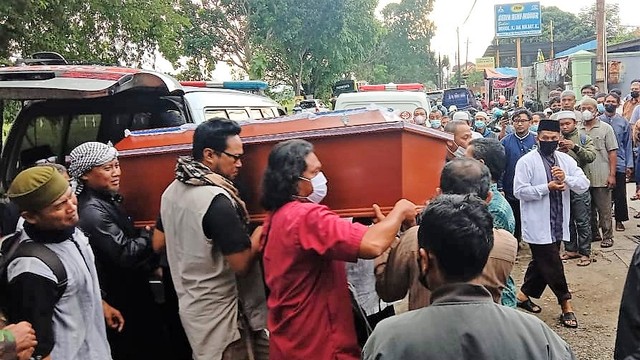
{"x": 305, "y": 246}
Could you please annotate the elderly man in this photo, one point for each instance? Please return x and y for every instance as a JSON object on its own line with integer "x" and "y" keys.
{"x": 516, "y": 145}
{"x": 67, "y": 316}
{"x": 464, "y": 116}
{"x": 481, "y": 125}
{"x": 461, "y": 137}
{"x": 580, "y": 147}
{"x": 211, "y": 256}
{"x": 542, "y": 182}
{"x": 124, "y": 257}
{"x": 462, "y": 321}
{"x": 396, "y": 271}
{"x": 624, "y": 163}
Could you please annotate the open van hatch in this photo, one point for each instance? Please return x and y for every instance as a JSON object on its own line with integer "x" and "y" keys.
{"x": 79, "y": 82}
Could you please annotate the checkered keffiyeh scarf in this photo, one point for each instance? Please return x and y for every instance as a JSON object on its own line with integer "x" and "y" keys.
{"x": 87, "y": 156}
{"x": 192, "y": 172}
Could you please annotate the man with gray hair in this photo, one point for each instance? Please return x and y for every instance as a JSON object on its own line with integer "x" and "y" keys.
{"x": 124, "y": 256}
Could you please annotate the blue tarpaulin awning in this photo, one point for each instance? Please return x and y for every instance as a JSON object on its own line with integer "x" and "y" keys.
{"x": 589, "y": 45}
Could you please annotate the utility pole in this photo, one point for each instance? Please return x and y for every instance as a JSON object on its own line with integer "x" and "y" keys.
{"x": 553, "y": 53}
{"x": 439, "y": 71}
{"x": 459, "y": 69}
{"x": 497, "y": 52}
{"x": 601, "y": 50}
{"x": 466, "y": 61}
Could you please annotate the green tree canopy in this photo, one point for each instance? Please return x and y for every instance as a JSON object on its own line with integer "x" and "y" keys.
{"x": 126, "y": 32}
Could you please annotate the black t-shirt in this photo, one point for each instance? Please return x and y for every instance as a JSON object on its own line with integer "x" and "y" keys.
{"x": 222, "y": 223}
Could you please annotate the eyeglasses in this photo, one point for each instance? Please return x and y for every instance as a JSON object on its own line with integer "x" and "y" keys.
{"x": 236, "y": 158}
{"x": 520, "y": 120}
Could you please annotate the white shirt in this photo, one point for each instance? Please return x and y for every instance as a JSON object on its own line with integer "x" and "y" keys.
{"x": 476, "y": 135}
{"x": 530, "y": 186}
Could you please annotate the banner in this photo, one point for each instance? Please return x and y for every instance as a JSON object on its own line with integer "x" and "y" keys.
{"x": 504, "y": 84}
{"x": 517, "y": 20}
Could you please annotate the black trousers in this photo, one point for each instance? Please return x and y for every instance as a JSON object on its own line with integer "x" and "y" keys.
{"x": 621, "y": 212}
{"x": 515, "y": 206}
{"x": 545, "y": 269}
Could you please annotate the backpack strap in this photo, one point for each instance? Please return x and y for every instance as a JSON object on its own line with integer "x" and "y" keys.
{"x": 8, "y": 247}
{"x": 47, "y": 256}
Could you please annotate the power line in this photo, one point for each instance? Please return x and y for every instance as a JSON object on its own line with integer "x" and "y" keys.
{"x": 470, "y": 11}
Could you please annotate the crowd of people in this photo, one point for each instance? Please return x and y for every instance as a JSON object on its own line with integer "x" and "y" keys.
{"x": 308, "y": 284}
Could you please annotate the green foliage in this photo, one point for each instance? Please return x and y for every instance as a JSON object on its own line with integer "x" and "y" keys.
{"x": 406, "y": 42}
{"x": 99, "y": 31}
{"x": 566, "y": 27}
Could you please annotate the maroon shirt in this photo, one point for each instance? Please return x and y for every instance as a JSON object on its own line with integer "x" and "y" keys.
{"x": 310, "y": 314}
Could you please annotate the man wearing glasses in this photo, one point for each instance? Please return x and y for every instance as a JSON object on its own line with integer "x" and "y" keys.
{"x": 516, "y": 145}
{"x": 211, "y": 256}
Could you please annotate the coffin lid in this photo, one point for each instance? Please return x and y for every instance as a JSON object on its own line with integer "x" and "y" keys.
{"x": 80, "y": 82}
{"x": 304, "y": 125}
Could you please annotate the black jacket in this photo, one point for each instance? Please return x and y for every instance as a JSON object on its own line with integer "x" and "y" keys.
{"x": 628, "y": 336}
{"x": 124, "y": 256}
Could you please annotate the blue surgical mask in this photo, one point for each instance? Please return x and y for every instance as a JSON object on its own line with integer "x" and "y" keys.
{"x": 533, "y": 128}
{"x": 479, "y": 124}
{"x": 436, "y": 124}
{"x": 601, "y": 108}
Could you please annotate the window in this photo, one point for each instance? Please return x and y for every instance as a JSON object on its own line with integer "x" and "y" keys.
{"x": 238, "y": 114}
{"x": 215, "y": 113}
{"x": 42, "y": 140}
{"x": 256, "y": 114}
{"x": 82, "y": 128}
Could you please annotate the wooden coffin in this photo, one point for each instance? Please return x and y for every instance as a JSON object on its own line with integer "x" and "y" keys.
{"x": 367, "y": 156}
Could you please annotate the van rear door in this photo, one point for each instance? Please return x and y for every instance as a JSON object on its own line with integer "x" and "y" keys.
{"x": 79, "y": 82}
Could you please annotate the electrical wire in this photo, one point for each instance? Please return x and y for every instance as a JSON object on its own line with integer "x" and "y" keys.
{"x": 469, "y": 14}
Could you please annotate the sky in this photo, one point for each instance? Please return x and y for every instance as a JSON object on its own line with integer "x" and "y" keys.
{"x": 480, "y": 28}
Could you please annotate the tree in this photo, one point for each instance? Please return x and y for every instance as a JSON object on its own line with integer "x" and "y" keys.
{"x": 114, "y": 32}
{"x": 221, "y": 30}
{"x": 408, "y": 41}
{"x": 566, "y": 27}
{"x": 612, "y": 26}
{"x": 311, "y": 43}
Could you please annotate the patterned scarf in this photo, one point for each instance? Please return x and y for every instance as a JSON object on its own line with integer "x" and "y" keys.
{"x": 191, "y": 172}
{"x": 88, "y": 155}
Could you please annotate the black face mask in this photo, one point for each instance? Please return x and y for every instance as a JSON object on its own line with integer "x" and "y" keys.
{"x": 547, "y": 147}
{"x": 610, "y": 108}
{"x": 635, "y": 94}
{"x": 555, "y": 110}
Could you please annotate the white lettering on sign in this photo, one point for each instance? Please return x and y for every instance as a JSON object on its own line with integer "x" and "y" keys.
{"x": 529, "y": 16}
{"x": 504, "y": 17}
{"x": 516, "y": 16}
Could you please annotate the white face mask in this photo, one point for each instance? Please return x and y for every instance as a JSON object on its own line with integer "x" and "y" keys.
{"x": 420, "y": 120}
{"x": 319, "y": 185}
{"x": 460, "y": 151}
{"x": 587, "y": 115}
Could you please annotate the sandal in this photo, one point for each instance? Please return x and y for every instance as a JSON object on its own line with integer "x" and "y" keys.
{"x": 584, "y": 261}
{"x": 569, "y": 255}
{"x": 606, "y": 243}
{"x": 569, "y": 320}
{"x": 529, "y": 306}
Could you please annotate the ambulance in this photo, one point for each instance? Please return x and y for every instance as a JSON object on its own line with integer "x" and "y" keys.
{"x": 402, "y": 99}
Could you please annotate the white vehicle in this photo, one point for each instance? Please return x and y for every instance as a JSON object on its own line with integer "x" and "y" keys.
{"x": 66, "y": 105}
{"x": 401, "y": 102}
